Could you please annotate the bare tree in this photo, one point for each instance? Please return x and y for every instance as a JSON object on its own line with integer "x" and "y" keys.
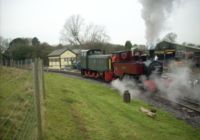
{"x": 71, "y": 30}
{"x": 95, "y": 33}
{"x": 170, "y": 37}
{"x": 76, "y": 32}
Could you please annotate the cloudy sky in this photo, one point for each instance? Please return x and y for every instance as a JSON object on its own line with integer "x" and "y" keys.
{"x": 122, "y": 19}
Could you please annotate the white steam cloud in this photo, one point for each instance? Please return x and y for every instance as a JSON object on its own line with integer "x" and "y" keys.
{"x": 126, "y": 84}
{"x": 181, "y": 83}
{"x": 155, "y": 14}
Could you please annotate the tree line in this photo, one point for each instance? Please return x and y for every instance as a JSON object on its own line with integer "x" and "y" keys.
{"x": 28, "y": 48}
{"x": 76, "y": 34}
{"x": 25, "y": 48}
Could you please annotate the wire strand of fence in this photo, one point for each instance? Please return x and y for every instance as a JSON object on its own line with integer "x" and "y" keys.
{"x": 29, "y": 128}
{"x": 30, "y": 125}
{"x": 14, "y": 111}
{"x": 23, "y": 122}
{"x": 29, "y": 132}
{"x": 11, "y": 80}
{"x": 24, "y": 64}
{"x": 13, "y": 94}
{"x": 9, "y": 116}
{"x": 26, "y": 122}
{"x": 10, "y": 127}
{"x": 29, "y": 122}
{"x": 33, "y": 135}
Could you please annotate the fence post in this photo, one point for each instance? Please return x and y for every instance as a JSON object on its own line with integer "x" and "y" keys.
{"x": 17, "y": 63}
{"x": 41, "y": 77}
{"x": 20, "y": 63}
{"x": 42, "y": 90}
{"x": 11, "y": 62}
{"x": 30, "y": 62}
{"x": 0, "y": 61}
{"x": 38, "y": 98}
{"x": 6, "y": 63}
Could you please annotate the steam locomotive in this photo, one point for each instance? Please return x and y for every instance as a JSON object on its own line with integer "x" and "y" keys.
{"x": 96, "y": 64}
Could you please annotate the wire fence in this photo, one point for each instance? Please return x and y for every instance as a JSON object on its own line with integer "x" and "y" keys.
{"x": 21, "y": 100}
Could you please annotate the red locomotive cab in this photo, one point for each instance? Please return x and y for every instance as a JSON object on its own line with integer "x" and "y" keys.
{"x": 115, "y": 57}
{"x": 121, "y": 56}
{"x": 136, "y": 54}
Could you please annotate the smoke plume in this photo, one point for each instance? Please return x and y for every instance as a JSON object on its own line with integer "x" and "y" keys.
{"x": 155, "y": 14}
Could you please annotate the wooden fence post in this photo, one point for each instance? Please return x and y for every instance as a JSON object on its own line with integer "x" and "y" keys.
{"x": 21, "y": 64}
{"x": 38, "y": 98}
{"x": 11, "y": 63}
{"x": 42, "y": 78}
{"x": 17, "y": 63}
{"x": 42, "y": 89}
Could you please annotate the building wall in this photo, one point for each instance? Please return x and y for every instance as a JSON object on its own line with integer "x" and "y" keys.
{"x": 54, "y": 62}
{"x": 67, "y": 58}
{"x": 60, "y": 62}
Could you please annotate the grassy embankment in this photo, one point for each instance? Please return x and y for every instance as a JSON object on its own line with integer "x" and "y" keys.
{"x": 17, "y": 114}
{"x": 77, "y": 110}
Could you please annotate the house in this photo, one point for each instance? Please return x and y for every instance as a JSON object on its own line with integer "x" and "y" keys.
{"x": 61, "y": 58}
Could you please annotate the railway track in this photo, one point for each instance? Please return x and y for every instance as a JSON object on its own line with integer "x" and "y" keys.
{"x": 187, "y": 106}
{"x": 75, "y": 73}
{"x": 181, "y": 110}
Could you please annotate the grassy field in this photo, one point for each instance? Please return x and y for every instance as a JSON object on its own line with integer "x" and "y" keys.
{"x": 17, "y": 114}
{"x": 79, "y": 110}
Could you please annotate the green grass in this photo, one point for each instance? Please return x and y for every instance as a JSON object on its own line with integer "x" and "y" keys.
{"x": 17, "y": 117}
{"x": 79, "y": 110}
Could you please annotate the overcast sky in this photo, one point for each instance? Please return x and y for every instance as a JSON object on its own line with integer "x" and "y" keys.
{"x": 122, "y": 19}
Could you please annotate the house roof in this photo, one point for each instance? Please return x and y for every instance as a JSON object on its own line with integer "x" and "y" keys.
{"x": 193, "y": 47}
{"x": 180, "y": 45}
{"x": 77, "y": 51}
{"x": 59, "y": 52}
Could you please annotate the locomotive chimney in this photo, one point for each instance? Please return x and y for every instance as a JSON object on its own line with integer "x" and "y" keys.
{"x": 151, "y": 53}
